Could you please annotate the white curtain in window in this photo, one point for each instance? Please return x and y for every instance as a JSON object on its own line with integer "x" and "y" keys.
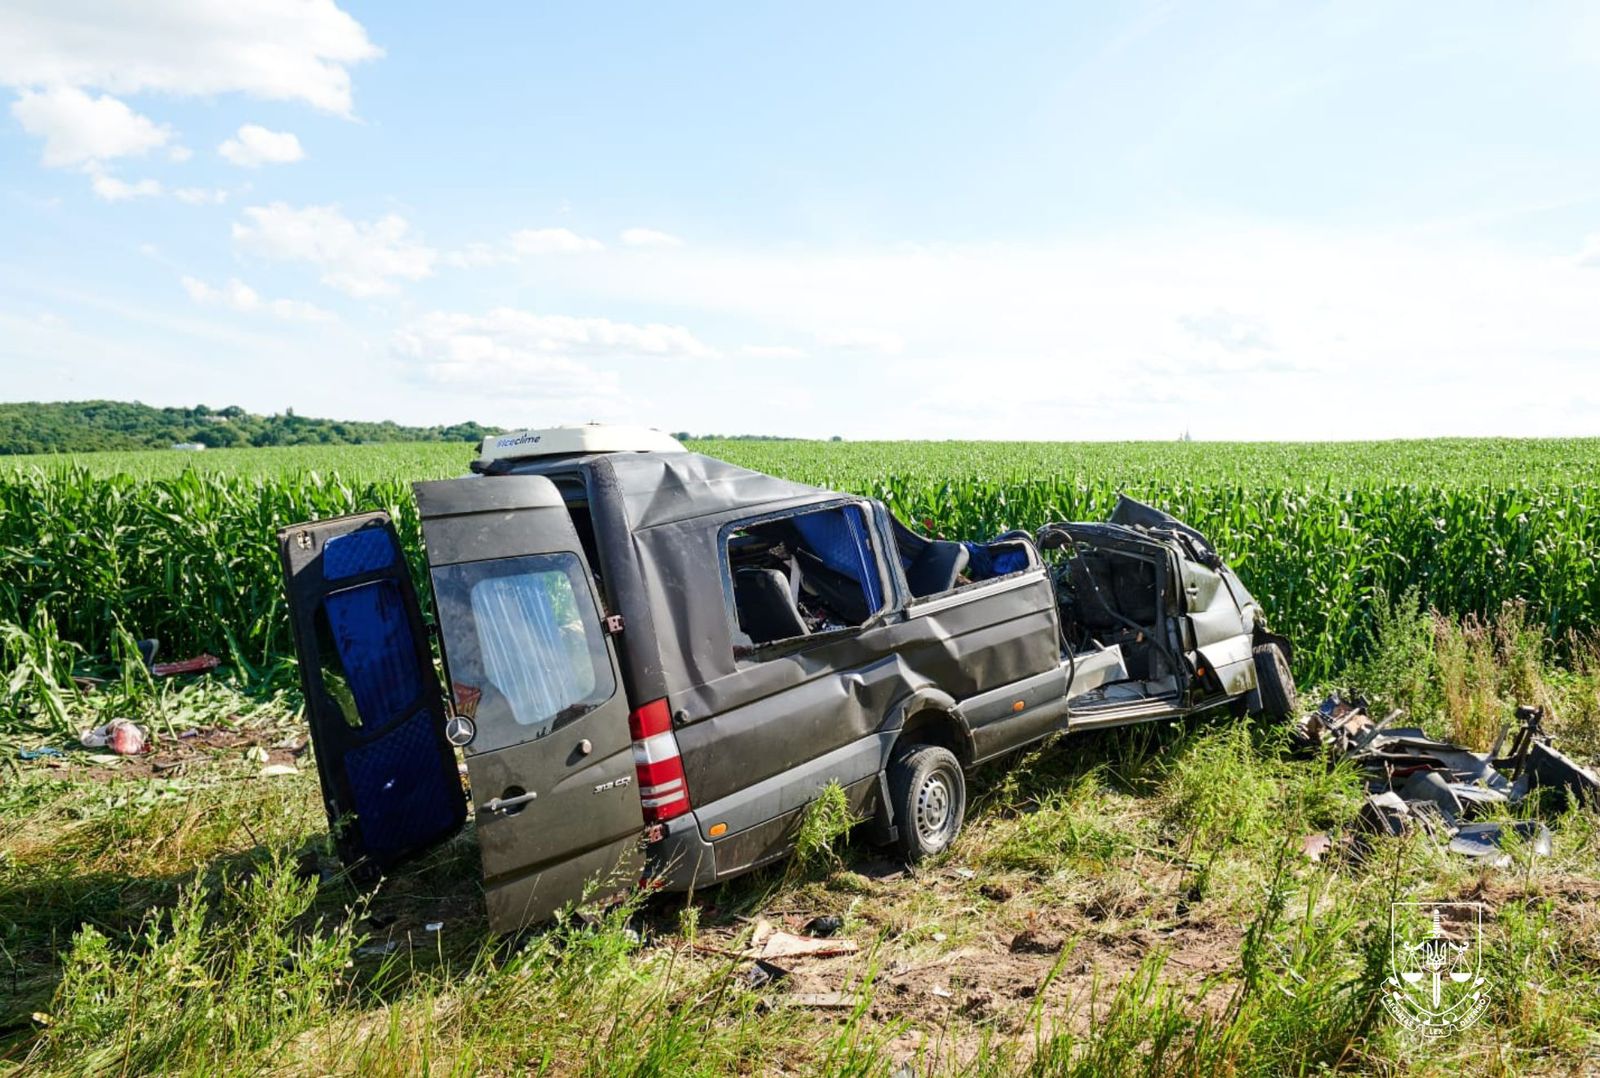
{"x": 533, "y": 644}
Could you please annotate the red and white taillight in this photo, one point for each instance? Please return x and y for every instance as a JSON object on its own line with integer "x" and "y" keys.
{"x": 662, "y": 789}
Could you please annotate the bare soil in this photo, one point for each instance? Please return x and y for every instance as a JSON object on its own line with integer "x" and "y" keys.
{"x": 1064, "y": 963}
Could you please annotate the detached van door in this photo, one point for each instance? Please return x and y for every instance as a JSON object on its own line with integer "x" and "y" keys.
{"x": 377, "y": 716}
{"x": 538, "y": 705}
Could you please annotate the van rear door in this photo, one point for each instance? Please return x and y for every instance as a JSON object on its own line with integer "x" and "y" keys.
{"x": 538, "y": 705}
{"x": 373, "y": 703}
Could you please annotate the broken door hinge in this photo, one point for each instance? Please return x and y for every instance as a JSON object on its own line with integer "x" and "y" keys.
{"x": 613, "y": 624}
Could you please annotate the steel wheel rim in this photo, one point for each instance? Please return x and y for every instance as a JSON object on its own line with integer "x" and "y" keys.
{"x": 935, "y": 800}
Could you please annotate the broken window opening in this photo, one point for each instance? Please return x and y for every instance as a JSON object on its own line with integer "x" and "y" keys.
{"x": 802, "y": 575}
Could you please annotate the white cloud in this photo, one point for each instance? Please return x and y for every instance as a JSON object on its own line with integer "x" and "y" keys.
{"x": 522, "y": 353}
{"x": 82, "y": 130}
{"x": 200, "y": 196}
{"x": 238, "y": 296}
{"x": 524, "y": 243}
{"x": 359, "y": 258}
{"x": 295, "y": 310}
{"x": 552, "y": 241}
{"x": 649, "y": 237}
{"x": 254, "y": 146}
{"x": 1227, "y": 330}
{"x": 774, "y": 351}
{"x": 235, "y": 294}
{"x": 179, "y": 154}
{"x": 1121, "y": 336}
{"x": 299, "y": 51}
{"x": 478, "y": 254}
{"x": 114, "y": 190}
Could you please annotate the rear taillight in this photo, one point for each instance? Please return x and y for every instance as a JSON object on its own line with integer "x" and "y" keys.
{"x": 662, "y": 790}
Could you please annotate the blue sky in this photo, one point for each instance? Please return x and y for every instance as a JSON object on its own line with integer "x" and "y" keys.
{"x": 1249, "y": 220}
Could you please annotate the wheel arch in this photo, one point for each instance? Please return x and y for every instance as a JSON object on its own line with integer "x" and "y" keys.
{"x": 929, "y": 716}
{"x": 926, "y": 715}
{"x": 1262, "y": 636}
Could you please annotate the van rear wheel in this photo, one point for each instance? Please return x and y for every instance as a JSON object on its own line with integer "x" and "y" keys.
{"x": 930, "y": 800}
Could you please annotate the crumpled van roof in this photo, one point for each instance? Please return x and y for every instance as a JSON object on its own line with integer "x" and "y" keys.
{"x": 659, "y": 488}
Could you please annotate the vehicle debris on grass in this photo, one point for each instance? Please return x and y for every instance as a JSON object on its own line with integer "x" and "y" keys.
{"x": 203, "y": 663}
{"x": 768, "y": 942}
{"x": 122, "y": 736}
{"x": 1415, "y": 781}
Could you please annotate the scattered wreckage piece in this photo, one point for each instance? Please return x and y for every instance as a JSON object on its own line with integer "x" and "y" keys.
{"x": 1487, "y": 842}
{"x": 1415, "y": 781}
{"x": 122, "y": 736}
{"x": 768, "y": 943}
{"x": 203, "y": 663}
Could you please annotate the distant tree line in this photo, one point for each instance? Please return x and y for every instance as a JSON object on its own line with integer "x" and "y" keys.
{"x": 685, "y": 436}
{"x": 80, "y": 426}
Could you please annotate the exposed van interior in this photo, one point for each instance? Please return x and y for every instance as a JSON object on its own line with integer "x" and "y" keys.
{"x": 935, "y": 566}
{"x": 1113, "y": 621}
{"x": 576, "y": 497}
{"x": 802, "y": 574}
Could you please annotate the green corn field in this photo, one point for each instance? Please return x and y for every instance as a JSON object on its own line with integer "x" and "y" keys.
{"x": 181, "y": 547}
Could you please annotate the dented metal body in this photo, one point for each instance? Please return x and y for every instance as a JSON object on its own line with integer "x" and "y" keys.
{"x": 797, "y": 637}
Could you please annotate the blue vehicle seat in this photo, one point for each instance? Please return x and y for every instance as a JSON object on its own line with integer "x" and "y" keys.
{"x": 936, "y": 567}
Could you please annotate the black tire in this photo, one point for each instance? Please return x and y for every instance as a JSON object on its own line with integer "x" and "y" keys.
{"x": 930, "y": 800}
{"x": 1275, "y": 682}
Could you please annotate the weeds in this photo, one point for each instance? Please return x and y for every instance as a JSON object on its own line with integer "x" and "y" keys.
{"x": 1219, "y": 791}
{"x": 221, "y": 974}
{"x": 823, "y": 826}
{"x": 37, "y": 665}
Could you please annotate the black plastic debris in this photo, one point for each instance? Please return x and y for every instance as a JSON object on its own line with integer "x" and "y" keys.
{"x": 762, "y": 973}
{"x": 823, "y": 926}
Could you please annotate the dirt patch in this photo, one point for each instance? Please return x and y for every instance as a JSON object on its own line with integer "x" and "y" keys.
{"x": 1055, "y": 963}
{"x": 1574, "y": 900}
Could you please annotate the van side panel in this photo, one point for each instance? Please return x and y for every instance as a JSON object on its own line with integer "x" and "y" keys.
{"x": 765, "y": 718}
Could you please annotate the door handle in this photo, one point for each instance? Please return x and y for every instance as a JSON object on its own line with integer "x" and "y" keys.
{"x": 506, "y": 804}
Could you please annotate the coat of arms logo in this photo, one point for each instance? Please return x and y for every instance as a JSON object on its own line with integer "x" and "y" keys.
{"x": 1436, "y": 985}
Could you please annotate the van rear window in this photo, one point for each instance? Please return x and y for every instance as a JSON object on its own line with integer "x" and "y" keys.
{"x": 523, "y": 644}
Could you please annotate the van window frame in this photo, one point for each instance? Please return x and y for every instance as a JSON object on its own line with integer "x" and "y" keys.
{"x": 888, "y": 581}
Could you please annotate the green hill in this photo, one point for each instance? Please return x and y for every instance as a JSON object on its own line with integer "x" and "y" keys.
{"x": 82, "y": 426}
